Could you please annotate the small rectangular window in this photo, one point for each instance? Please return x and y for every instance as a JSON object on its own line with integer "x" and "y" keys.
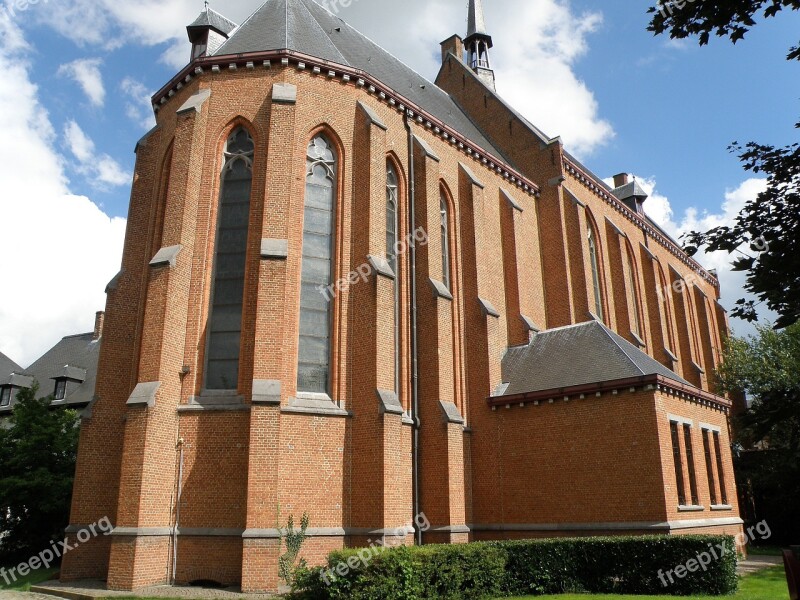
{"x": 712, "y": 484}
{"x": 720, "y": 470}
{"x": 687, "y": 434}
{"x": 61, "y": 389}
{"x": 5, "y": 396}
{"x": 676, "y": 458}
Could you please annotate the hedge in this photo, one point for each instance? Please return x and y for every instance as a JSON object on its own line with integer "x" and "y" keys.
{"x": 617, "y": 565}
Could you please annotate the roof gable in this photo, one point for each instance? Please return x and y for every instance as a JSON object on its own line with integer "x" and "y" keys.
{"x": 8, "y": 366}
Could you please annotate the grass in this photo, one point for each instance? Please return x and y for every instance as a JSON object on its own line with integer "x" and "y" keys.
{"x": 765, "y": 550}
{"x": 769, "y": 584}
{"x": 23, "y": 584}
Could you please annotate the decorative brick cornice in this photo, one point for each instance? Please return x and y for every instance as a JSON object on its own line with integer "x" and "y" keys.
{"x": 634, "y": 384}
{"x": 591, "y": 182}
{"x": 348, "y": 76}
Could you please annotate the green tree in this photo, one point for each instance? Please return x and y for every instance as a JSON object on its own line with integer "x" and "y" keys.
{"x": 770, "y": 223}
{"x": 767, "y": 367}
{"x": 37, "y": 453}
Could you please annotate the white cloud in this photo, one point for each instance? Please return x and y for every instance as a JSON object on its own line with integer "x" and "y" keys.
{"x": 100, "y": 170}
{"x": 537, "y": 45}
{"x": 58, "y": 250}
{"x": 659, "y": 208}
{"x": 86, "y": 73}
{"x": 137, "y": 103}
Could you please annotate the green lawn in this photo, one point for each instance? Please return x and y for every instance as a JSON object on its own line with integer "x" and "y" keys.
{"x": 23, "y": 584}
{"x": 765, "y": 550}
{"x": 769, "y": 584}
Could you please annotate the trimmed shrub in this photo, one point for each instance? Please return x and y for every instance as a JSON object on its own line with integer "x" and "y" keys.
{"x": 688, "y": 565}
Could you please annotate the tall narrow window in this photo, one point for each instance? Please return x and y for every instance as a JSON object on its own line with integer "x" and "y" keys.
{"x": 636, "y": 321}
{"x": 391, "y": 256}
{"x": 663, "y": 293}
{"x": 314, "y": 348}
{"x": 676, "y": 458}
{"x": 687, "y": 434}
{"x": 225, "y": 321}
{"x": 593, "y": 259}
{"x": 61, "y": 389}
{"x": 5, "y": 396}
{"x": 445, "y": 240}
{"x": 720, "y": 472}
{"x": 712, "y": 484}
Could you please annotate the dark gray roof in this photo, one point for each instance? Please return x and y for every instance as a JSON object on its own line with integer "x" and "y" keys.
{"x": 581, "y": 354}
{"x": 632, "y": 189}
{"x": 7, "y": 366}
{"x": 74, "y": 357}
{"x": 211, "y": 18}
{"x": 306, "y": 27}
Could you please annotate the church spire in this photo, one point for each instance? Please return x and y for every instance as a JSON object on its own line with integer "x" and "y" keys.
{"x": 478, "y": 42}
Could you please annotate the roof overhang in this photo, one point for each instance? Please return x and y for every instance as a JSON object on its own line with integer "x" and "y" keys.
{"x": 359, "y": 78}
{"x": 648, "y": 382}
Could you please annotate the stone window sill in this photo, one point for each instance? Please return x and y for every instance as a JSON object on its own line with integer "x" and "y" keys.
{"x": 691, "y": 508}
{"x": 722, "y": 507}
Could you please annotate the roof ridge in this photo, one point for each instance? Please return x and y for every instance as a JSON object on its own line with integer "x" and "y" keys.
{"x": 612, "y": 336}
{"x": 327, "y": 35}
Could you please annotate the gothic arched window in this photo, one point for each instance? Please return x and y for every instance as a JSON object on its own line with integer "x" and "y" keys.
{"x": 227, "y": 295}
{"x": 595, "y": 264}
{"x": 314, "y": 348}
{"x": 391, "y": 255}
{"x": 445, "y": 240}
{"x": 636, "y": 320}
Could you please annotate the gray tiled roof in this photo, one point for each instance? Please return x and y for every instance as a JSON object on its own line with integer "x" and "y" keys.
{"x": 74, "y": 357}
{"x": 8, "y": 366}
{"x": 581, "y": 354}
{"x": 630, "y": 189}
{"x": 306, "y": 27}
{"x": 211, "y": 18}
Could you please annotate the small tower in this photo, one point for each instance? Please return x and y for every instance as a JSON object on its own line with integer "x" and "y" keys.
{"x": 208, "y": 32}
{"x": 478, "y": 43}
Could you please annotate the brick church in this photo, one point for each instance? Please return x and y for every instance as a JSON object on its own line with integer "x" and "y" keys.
{"x": 351, "y": 292}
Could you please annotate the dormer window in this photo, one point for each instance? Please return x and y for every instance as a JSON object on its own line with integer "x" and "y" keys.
{"x": 5, "y": 396}
{"x": 208, "y": 32}
{"x": 61, "y": 389}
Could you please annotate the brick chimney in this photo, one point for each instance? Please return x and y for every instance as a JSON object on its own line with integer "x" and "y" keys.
{"x": 99, "y": 319}
{"x": 620, "y": 180}
{"x": 453, "y": 45}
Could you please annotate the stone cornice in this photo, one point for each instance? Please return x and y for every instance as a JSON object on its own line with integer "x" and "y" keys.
{"x": 349, "y": 76}
{"x": 634, "y": 384}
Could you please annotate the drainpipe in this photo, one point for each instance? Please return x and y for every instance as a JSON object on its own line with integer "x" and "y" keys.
{"x": 412, "y": 219}
{"x": 177, "y": 513}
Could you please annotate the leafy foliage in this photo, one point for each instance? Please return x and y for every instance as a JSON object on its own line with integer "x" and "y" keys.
{"x": 294, "y": 542}
{"x": 724, "y": 18}
{"x": 37, "y": 454}
{"x": 494, "y": 569}
{"x": 767, "y": 366}
{"x": 770, "y": 223}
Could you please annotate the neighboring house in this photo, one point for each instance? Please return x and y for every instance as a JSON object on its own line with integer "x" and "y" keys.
{"x": 540, "y": 365}
{"x": 67, "y": 371}
{"x": 8, "y": 370}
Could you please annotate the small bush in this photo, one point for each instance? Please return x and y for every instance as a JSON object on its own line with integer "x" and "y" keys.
{"x": 617, "y": 565}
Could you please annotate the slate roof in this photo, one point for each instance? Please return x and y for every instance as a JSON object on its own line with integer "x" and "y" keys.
{"x": 211, "y": 18}
{"x": 74, "y": 357}
{"x": 581, "y": 354}
{"x": 306, "y": 27}
{"x": 475, "y": 21}
{"x": 630, "y": 189}
{"x": 8, "y": 366}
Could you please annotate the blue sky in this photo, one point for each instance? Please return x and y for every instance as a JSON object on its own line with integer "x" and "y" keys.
{"x": 79, "y": 73}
